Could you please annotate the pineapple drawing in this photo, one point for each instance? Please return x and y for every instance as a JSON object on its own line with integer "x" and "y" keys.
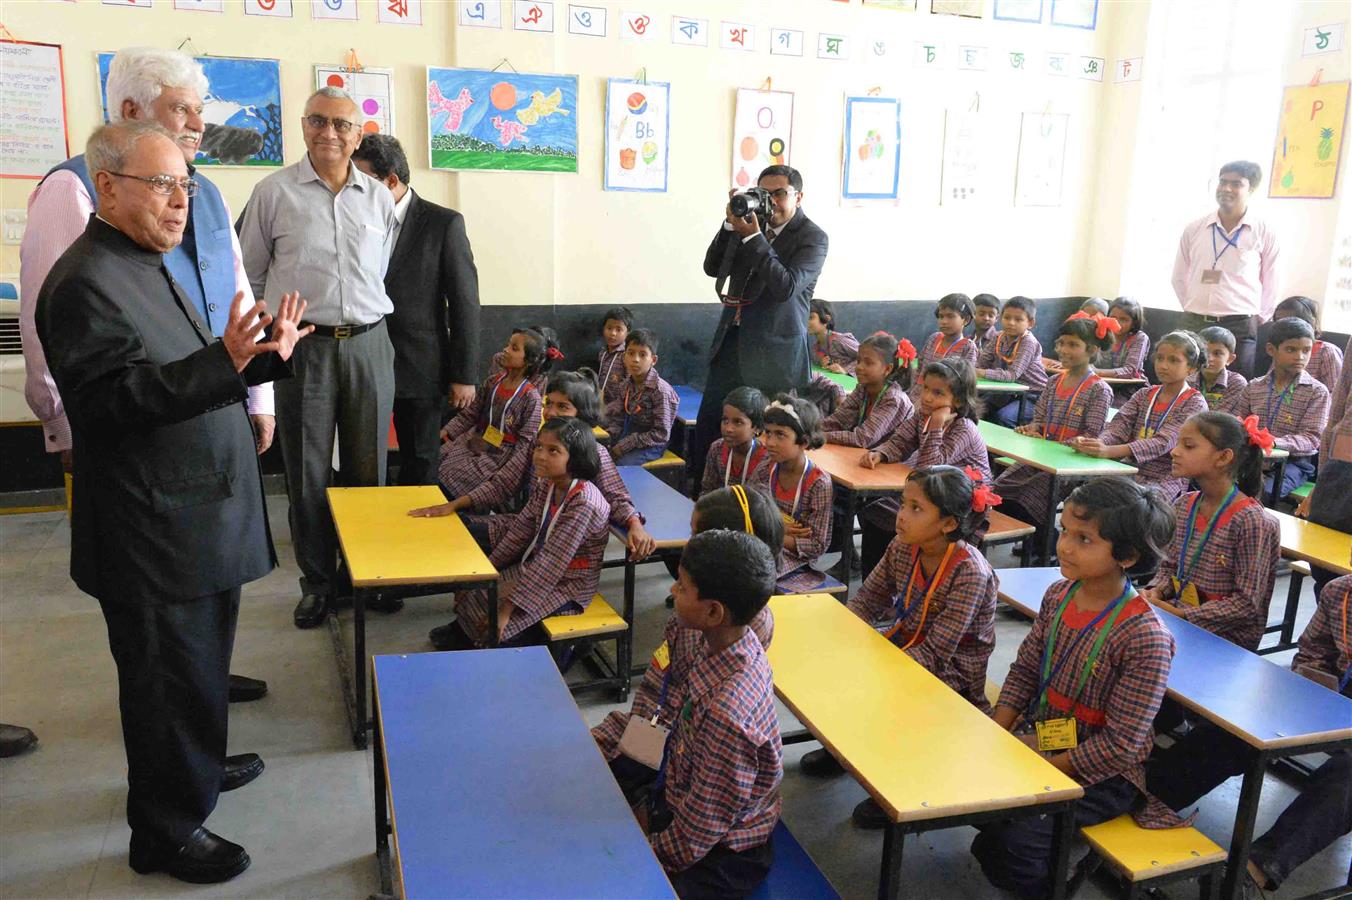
{"x": 1325, "y": 143}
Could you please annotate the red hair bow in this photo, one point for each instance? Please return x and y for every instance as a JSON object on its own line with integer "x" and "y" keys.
{"x": 1103, "y": 325}
{"x": 1259, "y": 436}
{"x": 554, "y": 353}
{"x": 905, "y": 351}
{"x": 983, "y": 497}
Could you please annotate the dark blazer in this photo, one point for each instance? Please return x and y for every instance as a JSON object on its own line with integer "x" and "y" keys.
{"x": 168, "y": 500}
{"x": 772, "y": 342}
{"x": 432, "y": 281}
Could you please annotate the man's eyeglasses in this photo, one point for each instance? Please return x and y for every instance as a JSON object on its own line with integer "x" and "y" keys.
{"x": 781, "y": 193}
{"x": 164, "y": 184}
{"x": 319, "y": 123}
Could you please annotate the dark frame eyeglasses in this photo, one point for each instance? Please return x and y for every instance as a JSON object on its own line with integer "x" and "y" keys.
{"x": 164, "y": 184}
{"x": 319, "y": 123}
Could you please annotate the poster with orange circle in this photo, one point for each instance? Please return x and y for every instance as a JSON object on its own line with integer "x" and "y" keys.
{"x": 371, "y": 88}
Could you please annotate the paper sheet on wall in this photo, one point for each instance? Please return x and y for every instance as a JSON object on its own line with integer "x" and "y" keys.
{"x": 371, "y": 88}
{"x": 1309, "y": 140}
{"x": 872, "y": 157}
{"x": 762, "y": 133}
{"x": 638, "y": 118}
{"x": 965, "y": 163}
{"x": 1042, "y": 159}
{"x": 32, "y": 109}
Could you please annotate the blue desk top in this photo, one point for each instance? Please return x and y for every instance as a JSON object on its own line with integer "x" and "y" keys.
{"x": 687, "y": 410}
{"x": 1264, "y": 704}
{"x": 496, "y": 784}
{"x": 666, "y": 509}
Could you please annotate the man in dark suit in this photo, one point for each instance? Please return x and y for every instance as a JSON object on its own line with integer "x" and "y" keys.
{"x": 169, "y": 519}
{"x": 762, "y": 338}
{"x": 432, "y": 281}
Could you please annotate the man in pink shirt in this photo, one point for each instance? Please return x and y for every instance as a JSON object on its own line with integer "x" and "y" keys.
{"x": 1226, "y": 270}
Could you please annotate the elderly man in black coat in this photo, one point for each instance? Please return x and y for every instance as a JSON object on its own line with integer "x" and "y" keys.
{"x": 169, "y": 519}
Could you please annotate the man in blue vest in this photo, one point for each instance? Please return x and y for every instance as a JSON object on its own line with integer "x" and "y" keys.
{"x": 166, "y": 86}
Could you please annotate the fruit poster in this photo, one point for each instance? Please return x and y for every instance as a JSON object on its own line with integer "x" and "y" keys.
{"x": 504, "y": 121}
{"x": 638, "y": 123}
{"x": 762, "y": 133}
{"x": 371, "y": 88}
{"x": 872, "y": 169}
{"x": 1309, "y": 141}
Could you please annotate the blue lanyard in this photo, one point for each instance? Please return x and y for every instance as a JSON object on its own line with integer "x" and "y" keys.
{"x": 1149, "y": 407}
{"x": 549, "y": 516}
{"x": 1216, "y": 229}
{"x": 1075, "y": 642}
{"x": 1206, "y": 536}
{"x": 660, "y": 783}
{"x": 1268, "y": 412}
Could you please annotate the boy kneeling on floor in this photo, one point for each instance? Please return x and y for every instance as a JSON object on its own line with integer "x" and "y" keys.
{"x": 705, "y": 787}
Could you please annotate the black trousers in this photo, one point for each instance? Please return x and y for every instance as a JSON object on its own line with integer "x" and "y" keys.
{"x": 1245, "y": 330}
{"x": 1319, "y": 815}
{"x": 417, "y": 425}
{"x": 173, "y": 667}
{"x": 1194, "y": 765}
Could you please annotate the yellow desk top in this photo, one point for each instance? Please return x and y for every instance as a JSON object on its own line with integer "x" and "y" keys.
{"x": 917, "y": 747}
{"x": 842, "y": 464}
{"x": 384, "y": 545}
{"x": 1319, "y": 544}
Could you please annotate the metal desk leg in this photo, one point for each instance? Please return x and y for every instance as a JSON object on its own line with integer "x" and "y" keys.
{"x": 1023, "y": 406}
{"x": 493, "y": 613}
{"x": 1048, "y": 542}
{"x": 1063, "y": 832}
{"x": 1278, "y": 473}
{"x": 624, "y": 647}
{"x": 1249, "y": 795}
{"x": 1289, "y": 614}
{"x": 382, "y": 809}
{"x": 889, "y": 879}
{"x": 359, "y": 666}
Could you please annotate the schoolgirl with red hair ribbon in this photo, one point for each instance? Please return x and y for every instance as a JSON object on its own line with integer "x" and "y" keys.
{"x": 866, "y": 417}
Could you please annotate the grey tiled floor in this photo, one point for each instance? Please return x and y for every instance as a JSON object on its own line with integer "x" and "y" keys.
{"x": 307, "y": 820}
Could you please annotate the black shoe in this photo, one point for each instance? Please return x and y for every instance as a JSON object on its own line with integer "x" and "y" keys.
{"x": 15, "y": 739}
{"x": 385, "y": 603}
{"x": 445, "y": 637}
{"x": 868, "y": 814}
{"x": 204, "y": 859}
{"x": 244, "y": 689}
{"x": 311, "y": 610}
{"x": 239, "y": 770}
{"x": 820, "y": 764}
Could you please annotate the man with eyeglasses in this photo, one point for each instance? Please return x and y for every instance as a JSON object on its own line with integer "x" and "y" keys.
{"x": 1225, "y": 272}
{"x": 325, "y": 228}
{"x": 164, "y": 86}
{"x": 766, "y": 269}
{"x": 169, "y": 518}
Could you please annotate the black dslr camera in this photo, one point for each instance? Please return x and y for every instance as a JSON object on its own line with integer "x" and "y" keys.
{"x": 753, "y": 200}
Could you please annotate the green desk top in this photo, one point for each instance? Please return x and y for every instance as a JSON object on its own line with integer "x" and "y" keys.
{"x": 848, "y": 382}
{"x": 1001, "y": 387}
{"x": 1048, "y": 456}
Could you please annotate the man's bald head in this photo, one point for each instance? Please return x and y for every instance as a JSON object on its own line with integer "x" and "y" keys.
{"x": 132, "y": 163}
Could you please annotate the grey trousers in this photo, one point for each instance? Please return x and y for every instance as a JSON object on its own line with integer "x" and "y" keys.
{"x": 346, "y": 384}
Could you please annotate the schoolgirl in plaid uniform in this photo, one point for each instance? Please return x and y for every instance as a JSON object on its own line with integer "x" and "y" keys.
{"x": 831, "y": 349}
{"x": 1088, "y": 679}
{"x": 738, "y": 455}
{"x": 1221, "y": 565}
{"x": 1127, "y": 357}
{"x": 792, "y": 427}
{"x": 872, "y": 409}
{"x": 540, "y": 377}
{"x": 1145, "y": 430}
{"x": 952, "y": 314}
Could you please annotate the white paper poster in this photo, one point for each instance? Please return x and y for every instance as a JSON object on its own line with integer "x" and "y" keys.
{"x": 929, "y": 55}
{"x": 409, "y": 12}
{"x": 762, "y": 133}
{"x": 371, "y": 88}
{"x": 212, "y": 6}
{"x": 589, "y": 21}
{"x": 638, "y": 119}
{"x": 276, "y": 9}
{"x": 533, "y": 15}
{"x": 689, "y": 32}
{"x": 786, "y": 42}
{"x": 872, "y": 158}
{"x": 965, "y": 149}
{"x": 971, "y": 58}
{"x": 1128, "y": 70}
{"x": 636, "y": 26}
{"x": 32, "y": 109}
{"x": 1058, "y": 64}
{"x": 737, "y": 36}
{"x": 1042, "y": 159}
{"x": 1322, "y": 39}
{"x": 335, "y": 10}
{"x": 470, "y": 13}
{"x": 1090, "y": 68}
{"x": 832, "y": 46}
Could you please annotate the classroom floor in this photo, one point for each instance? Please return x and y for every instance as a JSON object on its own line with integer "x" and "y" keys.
{"x": 307, "y": 821}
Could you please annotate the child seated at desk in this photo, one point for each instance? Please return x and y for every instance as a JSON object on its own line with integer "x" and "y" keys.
{"x": 714, "y": 800}
{"x": 835, "y": 351}
{"x": 639, "y": 420}
{"x": 1014, "y": 355}
{"x": 549, "y": 560}
{"x": 502, "y": 420}
{"x": 1288, "y": 402}
{"x": 800, "y": 489}
{"x": 1219, "y": 385}
{"x": 1076, "y": 402}
{"x": 952, "y": 314}
{"x": 738, "y": 456}
{"x": 941, "y": 432}
{"x": 1088, "y": 679}
{"x": 933, "y": 595}
{"x": 985, "y": 314}
{"x": 1144, "y": 432}
{"x": 551, "y": 344}
{"x": 872, "y": 409}
{"x": 1127, "y": 357}
{"x": 616, "y": 324}
{"x": 1221, "y": 565}
{"x": 1326, "y": 360}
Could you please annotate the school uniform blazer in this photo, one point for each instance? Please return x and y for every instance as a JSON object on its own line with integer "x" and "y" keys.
{"x": 772, "y": 342}
{"x": 170, "y": 501}
{"x": 434, "y": 286}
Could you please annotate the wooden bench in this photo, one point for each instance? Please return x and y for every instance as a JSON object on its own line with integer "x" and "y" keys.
{"x": 1149, "y": 857}
{"x": 793, "y": 875}
{"x": 1006, "y": 530}
{"x": 1286, "y": 628}
{"x": 598, "y": 622}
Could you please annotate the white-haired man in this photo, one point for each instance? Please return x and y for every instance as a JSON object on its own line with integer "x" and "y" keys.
{"x": 165, "y": 86}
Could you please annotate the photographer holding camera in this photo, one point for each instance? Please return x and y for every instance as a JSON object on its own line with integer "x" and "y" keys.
{"x": 766, "y": 259}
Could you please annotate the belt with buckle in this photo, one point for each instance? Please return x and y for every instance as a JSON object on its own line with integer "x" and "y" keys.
{"x": 1221, "y": 320}
{"x": 342, "y": 332}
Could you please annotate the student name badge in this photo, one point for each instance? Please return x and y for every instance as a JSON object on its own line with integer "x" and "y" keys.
{"x": 1056, "y": 734}
{"x": 1319, "y": 677}
{"x": 643, "y": 741}
{"x": 493, "y": 437}
{"x": 1186, "y": 594}
{"x": 662, "y": 656}
{"x": 1211, "y": 276}
{"x": 788, "y": 519}
{"x": 1145, "y": 433}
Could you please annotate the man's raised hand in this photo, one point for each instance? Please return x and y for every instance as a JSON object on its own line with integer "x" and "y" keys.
{"x": 242, "y": 330}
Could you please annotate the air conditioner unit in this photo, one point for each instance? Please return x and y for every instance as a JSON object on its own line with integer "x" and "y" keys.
{"x": 13, "y": 407}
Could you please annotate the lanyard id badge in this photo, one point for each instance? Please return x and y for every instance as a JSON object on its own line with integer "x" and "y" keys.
{"x": 644, "y": 740}
{"x": 1056, "y": 734}
{"x": 494, "y": 436}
